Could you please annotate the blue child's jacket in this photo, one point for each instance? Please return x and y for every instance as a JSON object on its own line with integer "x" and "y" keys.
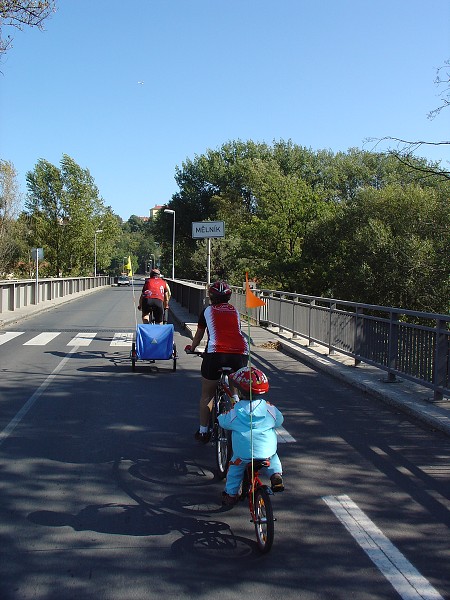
{"x": 262, "y": 418}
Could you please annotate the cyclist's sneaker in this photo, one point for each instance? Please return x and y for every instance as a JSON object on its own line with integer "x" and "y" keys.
{"x": 202, "y": 437}
{"x": 277, "y": 483}
{"x": 229, "y": 500}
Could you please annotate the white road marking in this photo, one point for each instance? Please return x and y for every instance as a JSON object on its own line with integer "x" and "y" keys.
{"x": 37, "y": 394}
{"x": 284, "y": 437}
{"x": 400, "y": 573}
{"x": 42, "y": 339}
{"x": 9, "y": 335}
{"x": 82, "y": 339}
{"x": 122, "y": 339}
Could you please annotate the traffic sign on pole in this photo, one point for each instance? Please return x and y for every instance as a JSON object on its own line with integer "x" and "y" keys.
{"x": 208, "y": 229}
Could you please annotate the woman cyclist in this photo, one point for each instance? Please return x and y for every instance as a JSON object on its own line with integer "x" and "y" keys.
{"x": 226, "y": 347}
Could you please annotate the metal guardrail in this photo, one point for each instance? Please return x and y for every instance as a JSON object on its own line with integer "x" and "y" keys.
{"x": 20, "y": 293}
{"x": 405, "y": 343}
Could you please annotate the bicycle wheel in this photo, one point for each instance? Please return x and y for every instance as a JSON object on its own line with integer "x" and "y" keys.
{"x": 133, "y": 356}
{"x": 223, "y": 436}
{"x": 223, "y": 451}
{"x": 174, "y": 357}
{"x": 264, "y": 523}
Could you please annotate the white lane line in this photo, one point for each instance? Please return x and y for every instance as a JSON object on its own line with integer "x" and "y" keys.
{"x": 401, "y": 574}
{"x": 37, "y": 394}
{"x": 122, "y": 339}
{"x": 42, "y": 338}
{"x": 284, "y": 437}
{"x": 9, "y": 335}
{"x": 82, "y": 339}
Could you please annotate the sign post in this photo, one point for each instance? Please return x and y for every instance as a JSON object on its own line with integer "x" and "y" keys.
{"x": 208, "y": 230}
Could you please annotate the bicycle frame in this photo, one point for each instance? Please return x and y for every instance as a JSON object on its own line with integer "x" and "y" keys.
{"x": 260, "y": 505}
{"x": 221, "y": 402}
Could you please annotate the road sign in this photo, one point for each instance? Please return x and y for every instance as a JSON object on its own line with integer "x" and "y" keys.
{"x": 37, "y": 253}
{"x": 208, "y": 229}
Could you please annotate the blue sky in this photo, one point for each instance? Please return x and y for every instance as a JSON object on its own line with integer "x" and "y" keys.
{"x": 323, "y": 73}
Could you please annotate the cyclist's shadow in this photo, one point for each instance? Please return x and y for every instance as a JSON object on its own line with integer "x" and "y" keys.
{"x": 191, "y": 512}
{"x": 126, "y": 519}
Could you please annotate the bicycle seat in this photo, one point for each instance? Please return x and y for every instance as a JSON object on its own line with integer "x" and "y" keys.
{"x": 259, "y": 463}
{"x": 225, "y": 370}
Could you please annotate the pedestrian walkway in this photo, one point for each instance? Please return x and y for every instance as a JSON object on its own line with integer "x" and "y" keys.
{"x": 407, "y": 396}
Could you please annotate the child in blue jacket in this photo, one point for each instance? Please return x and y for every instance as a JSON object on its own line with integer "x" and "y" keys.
{"x": 251, "y": 422}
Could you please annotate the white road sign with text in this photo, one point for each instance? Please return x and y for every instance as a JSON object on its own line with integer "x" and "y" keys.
{"x": 208, "y": 229}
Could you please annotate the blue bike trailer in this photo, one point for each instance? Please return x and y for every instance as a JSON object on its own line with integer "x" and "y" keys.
{"x": 154, "y": 342}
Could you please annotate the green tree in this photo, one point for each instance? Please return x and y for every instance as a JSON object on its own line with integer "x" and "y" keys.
{"x": 9, "y": 206}
{"x": 65, "y": 211}
{"x": 387, "y": 247}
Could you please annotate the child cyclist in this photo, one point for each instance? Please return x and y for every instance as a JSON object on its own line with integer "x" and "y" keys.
{"x": 252, "y": 422}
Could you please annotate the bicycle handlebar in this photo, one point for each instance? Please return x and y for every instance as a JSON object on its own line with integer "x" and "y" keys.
{"x": 196, "y": 352}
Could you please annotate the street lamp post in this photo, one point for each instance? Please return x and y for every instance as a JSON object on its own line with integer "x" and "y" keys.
{"x": 95, "y": 250}
{"x": 172, "y": 212}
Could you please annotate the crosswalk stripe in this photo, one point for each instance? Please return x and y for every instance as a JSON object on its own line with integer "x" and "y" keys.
{"x": 42, "y": 339}
{"x": 122, "y": 339}
{"x": 9, "y": 335}
{"x": 284, "y": 437}
{"x": 82, "y": 339}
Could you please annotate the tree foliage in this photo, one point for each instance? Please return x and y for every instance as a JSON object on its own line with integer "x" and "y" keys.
{"x": 9, "y": 206}
{"x": 64, "y": 212}
{"x": 358, "y": 225}
{"x": 23, "y": 13}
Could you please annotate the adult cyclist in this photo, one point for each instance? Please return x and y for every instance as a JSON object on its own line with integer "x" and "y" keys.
{"x": 154, "y": 296}
{"x": 226, "y": 347}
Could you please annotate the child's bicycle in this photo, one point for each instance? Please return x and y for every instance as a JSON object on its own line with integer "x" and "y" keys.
{"x": 222, "y": 402}
{"x": 259, "y": 503}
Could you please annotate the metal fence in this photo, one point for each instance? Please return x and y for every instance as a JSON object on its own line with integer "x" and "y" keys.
{"x": 410, "y": 344}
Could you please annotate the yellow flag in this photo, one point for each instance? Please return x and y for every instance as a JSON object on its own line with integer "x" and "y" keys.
{"x": 128, "y": 266}
{"x": 251, "y": 301}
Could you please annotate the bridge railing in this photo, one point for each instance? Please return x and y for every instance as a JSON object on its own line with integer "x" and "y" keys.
{"x": 404, "y": 343}
{"x": 21, "y": 293}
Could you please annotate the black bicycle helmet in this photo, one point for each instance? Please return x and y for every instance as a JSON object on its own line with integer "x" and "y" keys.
{"x": 219, "y": 291}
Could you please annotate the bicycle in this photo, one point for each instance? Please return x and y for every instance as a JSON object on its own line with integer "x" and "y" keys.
{"x": 259, "y": 503}
{"x": 222, "y": 402}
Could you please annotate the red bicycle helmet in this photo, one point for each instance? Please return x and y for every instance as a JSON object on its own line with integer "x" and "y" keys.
{"x": 155, "y": 272}
{"x": 257, "y": 381}
{"x": 219, "y": 291}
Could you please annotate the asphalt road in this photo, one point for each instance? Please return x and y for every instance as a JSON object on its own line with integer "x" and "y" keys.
{"x": 105, "y": 494}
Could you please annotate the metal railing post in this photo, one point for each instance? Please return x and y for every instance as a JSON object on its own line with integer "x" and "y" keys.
{"x": 331, "y": 350}
{"x": 392, "y": 347}
{"x": 440, "y": 360}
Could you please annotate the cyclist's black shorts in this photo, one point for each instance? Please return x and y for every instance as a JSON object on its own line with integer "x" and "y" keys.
{"x": 154, "y": 308}
{"x": 215, "y": 360}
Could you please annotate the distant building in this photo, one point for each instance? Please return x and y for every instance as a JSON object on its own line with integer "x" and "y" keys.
{"x": 154, "y": 211}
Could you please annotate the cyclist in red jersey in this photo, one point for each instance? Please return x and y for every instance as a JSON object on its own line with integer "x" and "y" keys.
{"x": 226, "y": 347}
{"x": 154, "y": 296}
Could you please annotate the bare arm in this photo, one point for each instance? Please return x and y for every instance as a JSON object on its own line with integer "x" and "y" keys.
{"x": 197, "y": 338}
